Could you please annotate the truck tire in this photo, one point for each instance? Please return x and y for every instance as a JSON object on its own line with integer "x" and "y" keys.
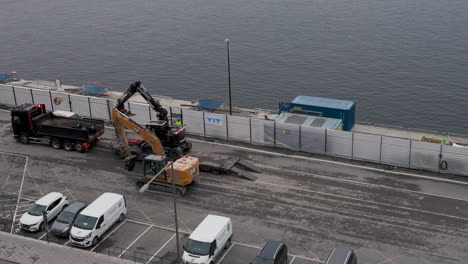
{"x": 68, "y": 145}
{"x": 56, "y": 143}
{"x": 79, "y": 147}
{"x": 24, "y": 139}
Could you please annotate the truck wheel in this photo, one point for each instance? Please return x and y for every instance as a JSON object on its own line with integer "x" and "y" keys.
{"x": 188, "y": 147}
{"x": 24, "y": 139}
{"x": 56, "y": 144}
{"x": 68, "y": 145}
{"x": 79, "y": 147}
{"x": 215, "y": 171}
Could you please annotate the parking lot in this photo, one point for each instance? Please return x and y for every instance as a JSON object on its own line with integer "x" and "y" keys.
{"x": 145, "y": 242}
{"x": 310, "y": 205}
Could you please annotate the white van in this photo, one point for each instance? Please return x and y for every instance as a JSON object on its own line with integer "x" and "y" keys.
{"x": 207, "y": 241}
{"x": 97, "y": 218}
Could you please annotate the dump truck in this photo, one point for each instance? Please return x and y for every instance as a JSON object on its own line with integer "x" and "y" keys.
{"x": 33, "y": 123}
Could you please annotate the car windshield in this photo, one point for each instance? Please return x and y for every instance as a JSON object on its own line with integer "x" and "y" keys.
{"x": 36, "y": 209}
{"x": 197, "y": 247}
{"x": 85, "y": 222}
{"x": 65, "y": 217}
{"x": 261, "y": 260}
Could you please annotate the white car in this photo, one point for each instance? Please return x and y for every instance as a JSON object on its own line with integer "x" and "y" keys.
{"x": 52, "y": 203}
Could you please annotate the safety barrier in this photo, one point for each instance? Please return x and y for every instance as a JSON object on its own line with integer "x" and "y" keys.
{"x": 393, "y": 151}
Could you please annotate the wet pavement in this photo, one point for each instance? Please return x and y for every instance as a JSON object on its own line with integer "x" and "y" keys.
{"x": 310, "y": 204}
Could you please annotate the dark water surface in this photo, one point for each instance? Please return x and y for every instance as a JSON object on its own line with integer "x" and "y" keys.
{"x": 405, "y": 62}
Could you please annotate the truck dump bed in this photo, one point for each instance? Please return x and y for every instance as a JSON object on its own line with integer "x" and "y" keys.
{"x": 83, "y": 129}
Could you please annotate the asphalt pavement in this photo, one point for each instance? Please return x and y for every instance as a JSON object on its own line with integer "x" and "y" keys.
{"x": 311, "y": 203}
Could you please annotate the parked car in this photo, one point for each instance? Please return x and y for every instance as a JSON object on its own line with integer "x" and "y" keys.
{"x": 51, "y": 203}
{"x": 64, "y": 221}
{"x": 97, "y": 218}
{"x": 274, "y": 252}
{"x": 207, "y": 241}
{"x": 342, "y": 255}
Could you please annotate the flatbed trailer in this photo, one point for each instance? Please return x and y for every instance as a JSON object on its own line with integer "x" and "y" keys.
{"x": 32, "y": 123}
{"x": 219, "y": 164}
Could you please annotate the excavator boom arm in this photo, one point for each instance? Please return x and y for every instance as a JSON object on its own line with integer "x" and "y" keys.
{"x": 121, "y": 121}
{"x": 138, "y": 87}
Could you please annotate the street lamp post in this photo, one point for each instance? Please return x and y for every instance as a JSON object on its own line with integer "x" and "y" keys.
{"x": 175, "y": 211}
{"x": 229, "y": 75}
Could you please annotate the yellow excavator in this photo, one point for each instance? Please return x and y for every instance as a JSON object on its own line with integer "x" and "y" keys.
{"x": 185, "y": 168}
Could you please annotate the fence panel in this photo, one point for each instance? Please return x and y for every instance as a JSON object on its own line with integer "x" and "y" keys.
{"x": 424, "y": 155}
{"x": 60, "y": 101}
{"x": 141, "y": 113}
{"x": 339, "y": 143}
{"x": 6, "y": 95}
{"x": 175, "y": 113}
{"x": 80, "y": 105}
{"x": 312, "y": 139}
{"x": 268, "y": 129}
{"x": 238, "y": 128}
{"x": 456, "y": 160}
{"x": 215, "y": 125}
{"x": 99, "y": 108}
{"x": 23, "y": 95}
{"x": 366, "y": 147}
{"x": 42, "y": 97}
{"x": 395, "y": 151}
{"x": 194, "y": 122}
{"x": 258, "y": 131}
{"x": 287, "y": 136}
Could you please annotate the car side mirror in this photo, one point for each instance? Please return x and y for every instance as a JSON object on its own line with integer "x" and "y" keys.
{"x": 48, "y": 211}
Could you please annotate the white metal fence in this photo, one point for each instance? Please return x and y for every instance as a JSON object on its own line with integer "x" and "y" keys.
{"x": 357, "y": 146}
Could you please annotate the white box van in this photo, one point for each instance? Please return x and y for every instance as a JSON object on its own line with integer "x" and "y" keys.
{"x": 97, "y": 218}
{"x": 207, "y": 241}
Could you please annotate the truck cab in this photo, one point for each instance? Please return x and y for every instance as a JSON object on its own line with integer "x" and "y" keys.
{"x": 21, "y": 120}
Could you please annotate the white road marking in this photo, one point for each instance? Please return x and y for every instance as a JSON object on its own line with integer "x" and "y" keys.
{"x": 364, "y": 201}
{"x": 40, "y": 238}
{"x": 159, "y": 226}
{"x": 108, "y": 235}
{"x": 297, "y": 256}
{"x": 225, "y": 253}
{"x": 292, "y": 260}
{"x": 134, "y": 241}
{"x": 66, "y": 244}
{"x": 359, "y": 182}
{"x": 335, "y": 162}
{"x": 159, "y": 250}
{"x": 19, "y": 193}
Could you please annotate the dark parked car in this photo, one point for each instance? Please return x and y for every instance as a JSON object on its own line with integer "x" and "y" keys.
{"x": 342, "y": 255}
{"x": 274, "y": 252}
{"x": 62, "y": 225}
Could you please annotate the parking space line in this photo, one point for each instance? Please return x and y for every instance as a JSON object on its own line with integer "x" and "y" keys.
{"x": 159, "y": 250}
{"x": 40, "y": 238}
{"x": 306, "y": 258}
{"x": 19, "y": 193}
{"x": 292, "y": 260}
{"x": 159, "y": 226}
{"x": 247, "y": 245}
{"x": 108, "y": 235}
{"x": 225, "y": 253}
{"x": 66, "y": 244}
{"x": 136, "y": 239}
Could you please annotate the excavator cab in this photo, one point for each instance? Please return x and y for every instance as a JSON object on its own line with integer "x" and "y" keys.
{"x": 172, "y": 137}
{"x": 152, "y": 165}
